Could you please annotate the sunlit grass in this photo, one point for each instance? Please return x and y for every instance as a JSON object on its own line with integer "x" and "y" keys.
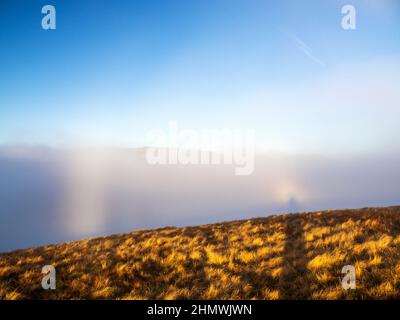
{"x": 297, "y": 256}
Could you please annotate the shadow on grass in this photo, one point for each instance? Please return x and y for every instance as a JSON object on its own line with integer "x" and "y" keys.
{"x": 295, "y": 279}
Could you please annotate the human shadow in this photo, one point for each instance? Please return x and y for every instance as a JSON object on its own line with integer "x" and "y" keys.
{"x": 295, "y": 278}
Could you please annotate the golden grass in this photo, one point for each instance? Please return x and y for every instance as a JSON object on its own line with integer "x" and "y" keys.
{"x": 295, "y": 256}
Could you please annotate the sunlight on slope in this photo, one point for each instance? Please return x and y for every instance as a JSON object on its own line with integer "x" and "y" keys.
{"x": 295, "y": 256}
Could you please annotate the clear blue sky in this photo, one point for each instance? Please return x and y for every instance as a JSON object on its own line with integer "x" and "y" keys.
{"x": 112, "y": 70}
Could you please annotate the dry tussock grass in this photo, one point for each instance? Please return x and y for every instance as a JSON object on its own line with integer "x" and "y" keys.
{"x": 296, "y": 256}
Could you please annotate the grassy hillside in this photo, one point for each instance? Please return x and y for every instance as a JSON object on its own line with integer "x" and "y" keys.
{"x": 290, "y": 256}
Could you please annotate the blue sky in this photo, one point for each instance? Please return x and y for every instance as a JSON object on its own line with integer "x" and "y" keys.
{"x": 112, "y": 70}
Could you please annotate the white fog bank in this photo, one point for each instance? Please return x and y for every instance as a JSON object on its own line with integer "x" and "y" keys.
{"x": 53, "y": 195}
